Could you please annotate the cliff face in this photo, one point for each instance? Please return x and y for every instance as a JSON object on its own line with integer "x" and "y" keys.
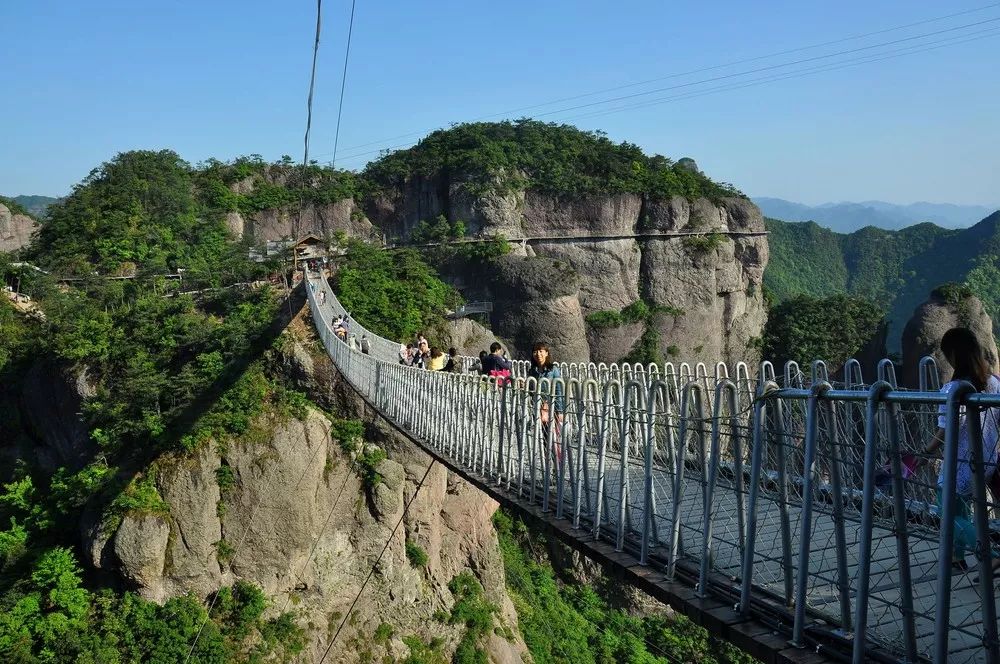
{"x": 699, "y": 264}
{"x": 298, "y": 521}
{"x": 323, "y": 219}
{"x": 15, "y": 229}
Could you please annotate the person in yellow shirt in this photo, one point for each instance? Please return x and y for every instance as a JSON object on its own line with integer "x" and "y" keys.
{"x": 437, "y": 359}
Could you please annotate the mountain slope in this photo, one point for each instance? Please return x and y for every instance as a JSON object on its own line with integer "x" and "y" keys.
{"x": 895, "y": 269}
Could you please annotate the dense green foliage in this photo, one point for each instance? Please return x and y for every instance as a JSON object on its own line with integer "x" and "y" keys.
{"x": 704, "y": 243}
{"x": 50, "y": 616}
{"x": 647, "y": 348}
{"x": 396, "y": 294}
{"x": 416, "y": 554}
{"x": 166, "y": 372}
{"x": 555, "y": 158}
{"x": 475, "y": 613}
{"x": 273, "y": 185}
{"x": 894, "y": 269}
{"x": 449, "y": 254}
{"x": 139, "y": 213}
{"x": 833, "y": 328}
{"x": 567, "y": 622}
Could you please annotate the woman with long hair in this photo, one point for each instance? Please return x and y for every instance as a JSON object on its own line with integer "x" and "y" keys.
{"x": 543, "y": 366}
{"x": 965, "y": 354}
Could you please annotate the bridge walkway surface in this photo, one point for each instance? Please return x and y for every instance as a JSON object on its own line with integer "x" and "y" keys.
{"x": 790, "y": 520}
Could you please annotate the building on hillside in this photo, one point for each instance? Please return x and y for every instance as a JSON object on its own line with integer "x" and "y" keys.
{"x": 307, "y": 247}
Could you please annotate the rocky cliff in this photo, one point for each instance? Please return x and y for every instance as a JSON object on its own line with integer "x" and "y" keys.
{"x": 944, "y": 309}
{"x": 15, "y": 229}
{"x": 699, "y": 264}
{"x": 323, "y": 218}
{"x": 284, "y": 508}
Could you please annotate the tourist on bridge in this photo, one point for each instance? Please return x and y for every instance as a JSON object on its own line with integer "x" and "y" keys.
{"x": 436, "y": 362}
{"x": 454, "y": 364}
{"x": 366, "y": 345}
{"x": 544, "y": 367}
{"x": 406, "y": 354}
{"x": 495, "y": 364}
{"x": 478, "y": 366}
{"x": 422, "y": 355}
{"x": 965, "y": 354}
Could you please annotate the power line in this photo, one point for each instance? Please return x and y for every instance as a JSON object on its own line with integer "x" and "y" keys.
{"x": 693, "y": 71}
{"x": 305, "y": 161}
{"x": 343, "y": 83}
{"x": 312, "y": 85}
{"x": 312, "y": 551}
{"x": 770, "y": 67}
{"x": 873, "y": 58}
{"x": 911, "y": 50}
{"x": 309, "y": 113}
{"x": 374, "y": 566}
{"x": 239, "y": 547}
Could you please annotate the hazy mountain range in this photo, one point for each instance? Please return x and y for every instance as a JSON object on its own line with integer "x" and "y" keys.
{"x": 35, "y": 205}
{"x": 849, "y": 217}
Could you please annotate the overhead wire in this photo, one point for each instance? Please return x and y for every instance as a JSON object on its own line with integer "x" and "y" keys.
{"x": 305, "y": 161}
{"x": 913, "y": 50}
{"x": 910, "y": 50}
{"x": 343, "y": 83}
{"x": 309, "y": 108}
{"x": 688, "y": 73}
{"x": 371, "y": 571}
{"x": 875, "y": 57}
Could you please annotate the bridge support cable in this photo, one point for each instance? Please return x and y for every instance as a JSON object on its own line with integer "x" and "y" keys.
{"x": 371, "y": 572}
{"x": 796, "y": 503}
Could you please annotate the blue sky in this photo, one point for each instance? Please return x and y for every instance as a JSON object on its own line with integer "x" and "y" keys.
{"x": 82, "y": 81}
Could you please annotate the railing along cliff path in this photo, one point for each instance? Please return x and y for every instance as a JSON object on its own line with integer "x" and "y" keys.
{"x": 789, "y": 503}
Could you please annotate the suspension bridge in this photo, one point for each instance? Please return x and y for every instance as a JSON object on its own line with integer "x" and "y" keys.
{"x": 782, "y": 512}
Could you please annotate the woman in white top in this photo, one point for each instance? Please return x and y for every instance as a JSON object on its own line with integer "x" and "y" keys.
{"x": 965, "y": 354}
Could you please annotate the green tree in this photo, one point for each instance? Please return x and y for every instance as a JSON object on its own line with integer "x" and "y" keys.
{"x": 834, "y": 328}
{"x": 396, "y": 294}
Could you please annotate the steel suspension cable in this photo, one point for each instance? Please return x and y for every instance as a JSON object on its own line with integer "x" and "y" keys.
{"x": 343, "y": 83}
{"x": 309, "y": 110}
{"x": 305, "y": 161}
{"x": 388, "y": 541}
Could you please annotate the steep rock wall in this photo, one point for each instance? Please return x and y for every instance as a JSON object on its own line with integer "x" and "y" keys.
{"x": 621, "y": 247}
{"x": 323, "y": 220}
{"x": 15, "y": 229}
{"x": 297, "y": 521}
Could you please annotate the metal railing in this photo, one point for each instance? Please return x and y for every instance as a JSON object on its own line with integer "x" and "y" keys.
{"x": 810, "y": 503}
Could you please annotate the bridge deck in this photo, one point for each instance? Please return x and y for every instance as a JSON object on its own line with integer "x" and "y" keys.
{"x": 489, "y": 435}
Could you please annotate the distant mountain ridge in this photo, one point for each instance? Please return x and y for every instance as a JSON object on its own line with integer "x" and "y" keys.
{"x": 895, "y": 269}
{"x": 35, "y": 205}
{"x": 848, "y": 217}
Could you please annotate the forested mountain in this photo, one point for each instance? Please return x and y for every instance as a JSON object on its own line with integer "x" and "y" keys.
{"x": 143, "y": 421}
{"x": 850, "y": 217}
{"x": 894, "y": 269}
